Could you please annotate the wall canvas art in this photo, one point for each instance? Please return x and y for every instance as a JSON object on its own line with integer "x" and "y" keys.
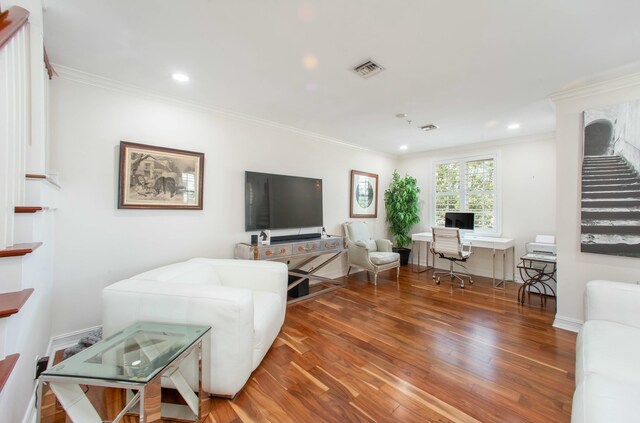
{"x": 159, "y": 178}
{"x": 610, "y": 182}
{"x": 364, "y": 195}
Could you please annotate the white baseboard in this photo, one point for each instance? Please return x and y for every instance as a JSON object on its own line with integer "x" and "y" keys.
{"x": 567, "y": 323}
{"x": 30, "y": 415}
{"x": 66, "y": 340}
{"x": 475, "y": 272}
{"x": 56, "y": 343}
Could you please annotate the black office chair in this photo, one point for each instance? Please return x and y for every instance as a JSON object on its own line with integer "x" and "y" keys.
{"x": 447, "y": 245}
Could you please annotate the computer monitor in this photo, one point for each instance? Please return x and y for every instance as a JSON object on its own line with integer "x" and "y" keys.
{"x": 462, "y": 221}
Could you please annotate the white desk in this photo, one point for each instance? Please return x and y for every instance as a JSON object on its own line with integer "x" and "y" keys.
{"x": 495, "y": 244}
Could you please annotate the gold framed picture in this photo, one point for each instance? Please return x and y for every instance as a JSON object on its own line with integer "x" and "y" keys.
{"x": 364, "y": 195}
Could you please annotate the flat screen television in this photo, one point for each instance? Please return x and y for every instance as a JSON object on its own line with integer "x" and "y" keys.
{"x": 281, "y": 201}
{"x": 463, "y": 221}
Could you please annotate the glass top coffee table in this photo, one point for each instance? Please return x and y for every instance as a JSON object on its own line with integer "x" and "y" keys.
{"x": 135, "y": 359}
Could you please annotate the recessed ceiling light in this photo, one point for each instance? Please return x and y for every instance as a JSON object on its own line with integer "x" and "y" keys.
{"x": 403, "y": 147}
{"x": 310, "y": 62}
{"x": 401, "y": 115}
{"x": 513, "y": 126}
{"x": 180, "y": 77}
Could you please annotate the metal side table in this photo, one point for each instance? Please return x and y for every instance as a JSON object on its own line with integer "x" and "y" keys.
{"x": 136, "y": 360}
{"x": 537, "y": 270}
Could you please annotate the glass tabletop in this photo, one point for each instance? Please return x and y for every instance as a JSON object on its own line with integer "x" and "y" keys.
{"x": 549, "y": 258}
{"x": 136, "y": 354}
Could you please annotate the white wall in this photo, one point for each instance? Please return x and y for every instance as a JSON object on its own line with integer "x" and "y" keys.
{"x": 576, "y": 268}
{"x": 97, "y": 244}
{"x": 526, "y": 179}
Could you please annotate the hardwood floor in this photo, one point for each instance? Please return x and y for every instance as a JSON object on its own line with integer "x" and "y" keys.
{"x": 411, "y": 351}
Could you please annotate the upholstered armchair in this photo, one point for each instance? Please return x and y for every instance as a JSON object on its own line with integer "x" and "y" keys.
{"x": 243, "y": 301}
{"x": 372, "y": 255}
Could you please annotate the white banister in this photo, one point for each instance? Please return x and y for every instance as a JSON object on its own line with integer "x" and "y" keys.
{"x": 15, "y": 127}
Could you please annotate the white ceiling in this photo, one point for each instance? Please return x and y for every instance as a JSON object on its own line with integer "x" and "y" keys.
{"x": 470, "y": 66}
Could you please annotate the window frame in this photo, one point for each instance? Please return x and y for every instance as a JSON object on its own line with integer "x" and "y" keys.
{"x": 462, "y": 161}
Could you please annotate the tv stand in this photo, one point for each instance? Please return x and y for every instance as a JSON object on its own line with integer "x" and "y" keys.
{"x": 304, "y": 249}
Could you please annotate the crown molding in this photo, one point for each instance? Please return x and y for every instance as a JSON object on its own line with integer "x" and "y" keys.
{"x": 590, "y": 89}
{"x": 472, "y": 146}
{"x": 86, "y": 78}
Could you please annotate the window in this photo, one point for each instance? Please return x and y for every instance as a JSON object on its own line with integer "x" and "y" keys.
{"x": 467, "y": 185}
{"x": 189, "y": 183}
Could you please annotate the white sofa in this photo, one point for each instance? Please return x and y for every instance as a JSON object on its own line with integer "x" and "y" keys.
{"x": 243, "y": 301}
{"x": 608, "y": 355}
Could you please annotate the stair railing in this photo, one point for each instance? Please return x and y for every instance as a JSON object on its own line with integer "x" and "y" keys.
{"x": 15, "y": 107}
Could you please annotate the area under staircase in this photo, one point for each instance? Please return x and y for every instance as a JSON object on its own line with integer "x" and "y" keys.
{"x": 610, "y": 206}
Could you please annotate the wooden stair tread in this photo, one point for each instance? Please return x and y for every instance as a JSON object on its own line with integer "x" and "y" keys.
{"x": 12, "y": 302}
{"x": 6, "y": 367}
{"x": 20, "y": 249}
{"x": 29, "y": 209}
{"x": 35, "y": 176}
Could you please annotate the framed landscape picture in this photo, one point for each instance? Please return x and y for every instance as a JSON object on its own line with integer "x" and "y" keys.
{"x": 364, "y": 195}
{"x": 159, "y": 178}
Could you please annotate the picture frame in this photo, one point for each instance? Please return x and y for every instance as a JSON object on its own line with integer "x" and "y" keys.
{"x": 153, "y": 177}
{"x": 610, "y": 170}
{"x": 363, "y": 202}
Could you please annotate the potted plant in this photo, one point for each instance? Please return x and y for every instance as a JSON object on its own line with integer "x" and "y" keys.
{"x": 401, "y": 203}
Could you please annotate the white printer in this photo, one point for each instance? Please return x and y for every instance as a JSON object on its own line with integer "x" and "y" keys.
{"x": 543, "y": 249}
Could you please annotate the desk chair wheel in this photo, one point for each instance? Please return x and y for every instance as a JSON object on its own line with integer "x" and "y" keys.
{"x": 462, "y": 282}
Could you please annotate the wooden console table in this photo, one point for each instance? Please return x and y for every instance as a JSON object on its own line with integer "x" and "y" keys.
{"x": 307, "y": 250}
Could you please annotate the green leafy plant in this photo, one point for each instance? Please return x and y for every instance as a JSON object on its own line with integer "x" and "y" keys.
{"x": 401, "y": 203}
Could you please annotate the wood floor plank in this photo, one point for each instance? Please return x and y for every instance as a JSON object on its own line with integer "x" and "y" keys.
{"x": 411, "y": 351}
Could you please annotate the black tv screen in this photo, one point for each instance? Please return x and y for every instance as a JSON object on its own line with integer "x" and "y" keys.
{"x": 281, "y": 202}
{"x": 459, "y": 220}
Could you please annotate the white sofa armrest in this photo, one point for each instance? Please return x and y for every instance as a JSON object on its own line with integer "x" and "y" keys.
{"x": 267, "y": 276}
{"x": 612, "y": 301}
{"x": 228, "y": 310}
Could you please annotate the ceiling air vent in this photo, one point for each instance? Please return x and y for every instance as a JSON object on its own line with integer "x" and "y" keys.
{"x": 368, "y": 69}
{"x": 429, "y": 127}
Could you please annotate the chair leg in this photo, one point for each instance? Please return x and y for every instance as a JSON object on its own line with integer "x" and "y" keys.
{"x": 398, "y": 273}
{"x": 375, "y": 278}
{"x": 348, "y": 271}
{"x": 453, "y": 275}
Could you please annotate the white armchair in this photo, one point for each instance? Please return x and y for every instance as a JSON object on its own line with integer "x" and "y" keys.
{"x": 607, "y": 367}
{"x": 371, "y": 255}
{"x": 243, "y": 301}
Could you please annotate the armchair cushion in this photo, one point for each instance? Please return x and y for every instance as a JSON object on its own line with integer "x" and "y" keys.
{"x": 383, "y": 258}
{"x": 357, "y": 231}
{"x": 384, "y": 245}
{"x": 369, "y": 244}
